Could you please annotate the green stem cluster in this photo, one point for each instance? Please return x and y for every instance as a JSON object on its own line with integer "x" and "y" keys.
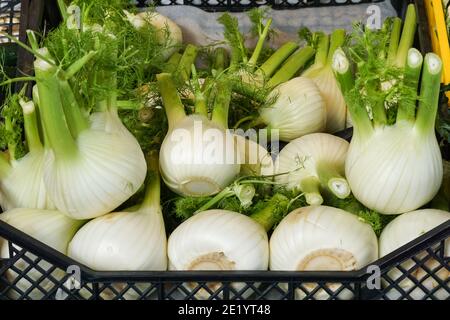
{"x": 174, "y": 108}
{"x": 400, "y": 57}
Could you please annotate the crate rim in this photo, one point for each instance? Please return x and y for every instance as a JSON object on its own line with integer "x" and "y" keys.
{"x": 62, "y": 261}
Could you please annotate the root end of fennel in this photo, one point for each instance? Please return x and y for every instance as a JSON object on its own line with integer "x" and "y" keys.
{"x": 334, "y": 259}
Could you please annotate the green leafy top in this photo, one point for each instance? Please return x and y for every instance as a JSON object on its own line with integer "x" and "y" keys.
{"x": 11, "y": 127}
{"x": 377, "y": 80}
{"x": 234, "y": 38}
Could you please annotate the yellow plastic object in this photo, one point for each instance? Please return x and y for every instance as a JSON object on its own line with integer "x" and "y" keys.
{"x": 439, "y": 36}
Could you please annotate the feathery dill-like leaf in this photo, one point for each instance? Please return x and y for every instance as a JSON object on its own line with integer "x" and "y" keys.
{"x": 376, "y": 79}
{"x": 234, "y": 37}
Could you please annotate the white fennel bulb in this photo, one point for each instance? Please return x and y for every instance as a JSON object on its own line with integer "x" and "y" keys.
{"x": 399, "y": 232}
{"x": 321, "y": 238}
{"x": 48, "y": 226}
{"x": 299, "y": 109}
{"x": 169, "y": 33}
{"x": 394, "y": 168}
{"x": 322, "y": 74}
{"x": 312, "y": 162}
{"x": 87, "y": 172}
{"x": 130, "y": 240}
{"x": 402, "y": 167}
{"x": 218, "y": 240}
{"x": 21, "y": 181}
{"x": 133, "y": 239}
{"x": 198, "y": 156}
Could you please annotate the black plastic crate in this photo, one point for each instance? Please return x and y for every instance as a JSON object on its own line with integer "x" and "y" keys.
{"x": 36, "y": 271}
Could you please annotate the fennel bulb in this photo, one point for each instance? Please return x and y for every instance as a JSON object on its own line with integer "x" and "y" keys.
{"x": 87, "y": 172}
{"x": 130, "y": 240}
{"x": 322, "y": 238}
{"x": 399, "y": 232}
{"x": 312, "y": 162}
{"x": 218, "y": 240}
{"x": 225, "y": 240}
{"x": 21, "y": 181}
{"x": 323, "y": 76}
{"x": 299, "y": 109}
{"x": 48, "y": 226}
{"x": 133, "y": 239}
{"x": 198, "y": 156}
{"x": 394, "y": 168}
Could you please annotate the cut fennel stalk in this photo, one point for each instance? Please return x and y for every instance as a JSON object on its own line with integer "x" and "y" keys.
{"x": 87, "y": 172}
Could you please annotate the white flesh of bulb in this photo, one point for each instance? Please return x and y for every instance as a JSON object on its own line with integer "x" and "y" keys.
{"x": 334, "y": 100}
{"x": 123, "y": 241}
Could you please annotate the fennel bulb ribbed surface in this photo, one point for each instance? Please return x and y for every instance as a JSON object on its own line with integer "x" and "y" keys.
{"x": 334, "y": 101}
{"x": 122, "y": 241}
{"x": 87, "y": 172}
{"x": 299, "y": 109}
{"x": 404, "y": 229}
{"x": 133, "y": 239}
{"x": 322, "y": 238}
{"x": 108, "y": 169}
{"x": 23, "y": 186}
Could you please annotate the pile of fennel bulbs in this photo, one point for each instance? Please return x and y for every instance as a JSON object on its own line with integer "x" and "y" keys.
{"x": 87, "y": 164}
